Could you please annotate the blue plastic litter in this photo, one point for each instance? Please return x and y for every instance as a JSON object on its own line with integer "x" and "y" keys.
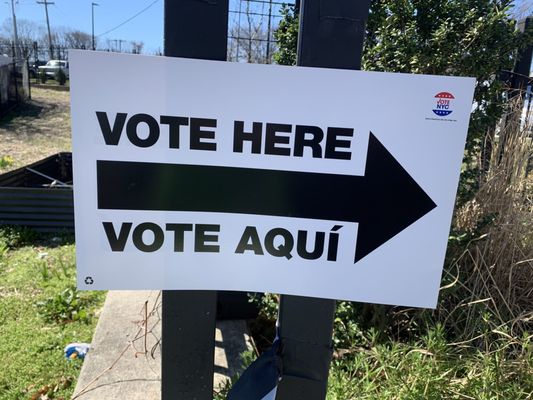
{"x": 76, "y": 350}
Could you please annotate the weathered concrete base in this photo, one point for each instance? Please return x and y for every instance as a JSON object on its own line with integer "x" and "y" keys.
{"x": 125, "y": 357}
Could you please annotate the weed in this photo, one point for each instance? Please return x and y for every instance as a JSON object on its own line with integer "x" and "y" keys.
{"x": 17, "y": 236}
{"x": 44, "y": 271}
{"x": 66, "y": 306}
{"x": 65, "y": 268}
{"x": 267, "y": 304}
{"x": 6, "y": 161}
{"x": 263, "y": 328}
{"x": 221, "y": 393}
{"x": 3, "y": 249}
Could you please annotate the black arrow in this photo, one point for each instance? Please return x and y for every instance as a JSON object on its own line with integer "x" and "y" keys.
{"x": 384, "y": 201}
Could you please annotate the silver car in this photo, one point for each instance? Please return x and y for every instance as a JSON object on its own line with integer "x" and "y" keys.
{"x": 51, "y": 67}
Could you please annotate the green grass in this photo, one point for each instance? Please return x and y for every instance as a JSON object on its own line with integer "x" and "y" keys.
{"x": 399, "y": 371}
{"x": 37, "y": 321}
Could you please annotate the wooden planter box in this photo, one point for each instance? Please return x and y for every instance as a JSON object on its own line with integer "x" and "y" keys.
{"x": 39, "y": 195}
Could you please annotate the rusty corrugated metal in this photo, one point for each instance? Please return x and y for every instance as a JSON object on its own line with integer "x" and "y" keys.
{"x": 32, "y": 200}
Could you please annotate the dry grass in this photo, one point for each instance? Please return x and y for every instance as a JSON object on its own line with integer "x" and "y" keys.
{"x": 492, "y": 277}
{"x": 37, "y": 129}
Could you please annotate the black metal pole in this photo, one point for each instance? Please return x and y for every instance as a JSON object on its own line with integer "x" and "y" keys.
{"x": 193, "y": 29}
{"x": 519, "y": 81}
{"x": 520, "y": 78}
{"x": 269, "y": 33}
{"x": 331, "y": 35}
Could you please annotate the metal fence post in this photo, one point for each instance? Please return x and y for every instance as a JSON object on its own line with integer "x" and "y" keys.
{"x": 193, "y": 29}
{"x": 331, "y": 35}
{"x": 519, "y": 80}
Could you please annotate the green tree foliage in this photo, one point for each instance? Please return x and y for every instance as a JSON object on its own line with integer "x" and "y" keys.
{"x": 456, "y": 37}
{"x": 287, "y": 37}
{"x": 474, "y": 38}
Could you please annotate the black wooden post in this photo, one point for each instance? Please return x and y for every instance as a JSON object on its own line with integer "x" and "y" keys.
{"x": 331, "y": 35}
{"x": 193, "y": 29}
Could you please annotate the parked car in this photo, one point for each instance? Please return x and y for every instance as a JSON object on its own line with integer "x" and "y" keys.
{"x": 34, "y": 68}
{"x": 53, "y": 66}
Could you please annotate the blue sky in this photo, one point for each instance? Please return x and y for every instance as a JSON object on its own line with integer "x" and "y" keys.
{"x": 146, "y": 27}
{"x": 109, "y": 14}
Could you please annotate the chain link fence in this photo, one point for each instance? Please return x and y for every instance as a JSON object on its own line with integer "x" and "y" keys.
{"x": 252, "y": 24}
{"x": 33, "y": 52}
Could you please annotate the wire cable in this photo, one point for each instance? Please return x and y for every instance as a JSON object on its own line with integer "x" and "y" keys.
{"x": 129, "y": 19}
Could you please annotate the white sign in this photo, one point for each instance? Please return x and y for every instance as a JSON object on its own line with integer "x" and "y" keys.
{"x": 193, "y": 174}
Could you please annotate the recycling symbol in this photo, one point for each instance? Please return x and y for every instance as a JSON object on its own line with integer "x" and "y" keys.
{"x": 89, "y": 280}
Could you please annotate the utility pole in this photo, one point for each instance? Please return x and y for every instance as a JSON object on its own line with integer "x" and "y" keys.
{"x": 15, "y": 33}
{"x": 46, "y": 3}
{"x": 92, "y": 5}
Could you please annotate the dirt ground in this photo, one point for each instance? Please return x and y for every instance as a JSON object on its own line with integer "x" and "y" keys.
{"x": 37, "y": 129}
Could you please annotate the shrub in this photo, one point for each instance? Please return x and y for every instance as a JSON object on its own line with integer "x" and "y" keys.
{"x": 60, "y": 76}
{"x": 42, "y": 76}
{"x": 17, "y": 236}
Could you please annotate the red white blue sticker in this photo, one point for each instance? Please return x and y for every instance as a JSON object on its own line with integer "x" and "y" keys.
{"x": 444, "y": 104}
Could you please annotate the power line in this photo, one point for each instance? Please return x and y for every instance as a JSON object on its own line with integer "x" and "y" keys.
{"x": 129, "y": 19}
{"x": 67, "y": 17}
